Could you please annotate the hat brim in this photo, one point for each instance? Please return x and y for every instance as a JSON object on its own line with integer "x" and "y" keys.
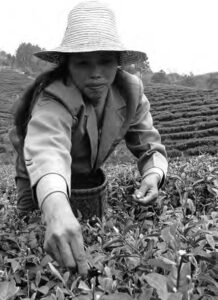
{"x": 58, "y": 55}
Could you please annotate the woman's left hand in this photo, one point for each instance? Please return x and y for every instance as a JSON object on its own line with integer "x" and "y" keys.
{"x": 148, "y": 191}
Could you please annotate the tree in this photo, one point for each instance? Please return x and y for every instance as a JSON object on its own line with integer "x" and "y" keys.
{"x": 160, "y": 77}
{"x": 188, "y": 80}
{"x": 3, "y": 58}
{"x": 212, "y": 81}
{"x": 27, "y": 61}
{"x": 6, "y": 59}
{"x": 10, "y": 60}
{"x": 140, "y": 68}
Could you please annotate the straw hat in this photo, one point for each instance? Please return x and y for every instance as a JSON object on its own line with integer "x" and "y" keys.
{"x": 91, "y": 27}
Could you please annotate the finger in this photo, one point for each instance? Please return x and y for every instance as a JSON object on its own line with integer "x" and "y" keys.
{"x": 66, "y": 253}
{"x": 52, "y": 249}
{"x": 79, "y": 255}
{"x": 150, "y": 182}
{"x": 143, "y": 190}
{"x": 149, "y": 197}
{"x": 139, "y": 193}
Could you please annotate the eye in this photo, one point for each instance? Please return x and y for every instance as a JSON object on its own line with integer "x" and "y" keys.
{"x": 106, "y": 61}
{"x": 82, "y": 63}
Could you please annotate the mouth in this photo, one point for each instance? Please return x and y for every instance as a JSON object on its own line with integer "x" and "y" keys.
{"x": 95, "y": 87}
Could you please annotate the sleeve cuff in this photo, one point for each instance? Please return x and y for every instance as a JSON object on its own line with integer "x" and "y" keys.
{"x": 157, "y": 171}
{"x": 49, "y": 184}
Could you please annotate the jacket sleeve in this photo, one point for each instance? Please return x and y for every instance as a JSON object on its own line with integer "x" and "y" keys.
{"x": 144, "y": 141}
{"x": 47, "y": 144}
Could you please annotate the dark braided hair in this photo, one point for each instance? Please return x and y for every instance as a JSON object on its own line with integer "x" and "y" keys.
{"x": 24, "y": 106}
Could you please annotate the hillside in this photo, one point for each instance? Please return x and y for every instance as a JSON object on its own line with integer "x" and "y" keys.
{"x": 187, "y": 118}
{"x": 12, "y": 84}
{"x": 208, "y": 80}
{"x": 202, "y": 81}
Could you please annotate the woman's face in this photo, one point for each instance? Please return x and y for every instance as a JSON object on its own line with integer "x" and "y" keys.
{"x": 93, "y": 72}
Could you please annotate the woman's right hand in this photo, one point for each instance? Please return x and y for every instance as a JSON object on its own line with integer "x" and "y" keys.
{"x": 63, "y": 237}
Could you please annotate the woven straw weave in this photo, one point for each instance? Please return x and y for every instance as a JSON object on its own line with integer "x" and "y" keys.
{"x": 91, "y": 27}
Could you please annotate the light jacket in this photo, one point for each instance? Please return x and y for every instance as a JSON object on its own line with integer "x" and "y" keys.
{"x": 63, "y": 138}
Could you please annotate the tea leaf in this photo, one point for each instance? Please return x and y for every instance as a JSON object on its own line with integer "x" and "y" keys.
{"x": 185, "y": 273}
{"x": 83, "y": 286}
{"x": 15, "y": 264}
{"x": 66, "y": 276}
{"x": 167, "y": 260}
{"x": 159, "y": 282}
{"x": 175, "y": 296}
{"x": 191, "y": 206}
{"x": 116, "y": 296}
{"x": 132, "y": 262}
{"x": 46, "y": 259}
{"x": 106, "y": 284}
{"x": 43, "y": 289}
{"x": 115, "y": 242}
{"x": 160, "y": 264}
{"x": 59, "y": 294}
{"x": 8, "y": 290}
{"x": 56, "y": 273}
{"x": 38, "y": 278}
{"x": 211, "y": 241}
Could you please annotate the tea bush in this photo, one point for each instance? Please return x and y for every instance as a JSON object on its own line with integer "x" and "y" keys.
{"x": 166, "y": 250}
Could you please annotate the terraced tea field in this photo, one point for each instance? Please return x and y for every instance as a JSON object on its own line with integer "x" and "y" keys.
{"x": 12, "y": 84}
{"x": 186, "y": 118}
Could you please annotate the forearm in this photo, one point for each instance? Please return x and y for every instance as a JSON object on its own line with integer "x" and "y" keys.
{"x": 144, "y": 141}
{"x": 48, "y": 186}
{"x": 157, "y": 171}
{"x": 55, "y": 206}
{"x": 155, "y": 163}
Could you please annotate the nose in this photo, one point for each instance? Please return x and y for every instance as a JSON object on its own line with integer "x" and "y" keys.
{"x": 95, "y": 71}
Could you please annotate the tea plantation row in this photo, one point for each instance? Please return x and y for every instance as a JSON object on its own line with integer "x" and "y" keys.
{"x": 186, "y": 118}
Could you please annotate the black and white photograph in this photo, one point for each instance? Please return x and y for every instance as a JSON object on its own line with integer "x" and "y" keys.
{"x": 109, "y": 150}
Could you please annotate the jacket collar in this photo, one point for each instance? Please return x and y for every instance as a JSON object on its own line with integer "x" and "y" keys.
{"x": 123, "y": 98}
{"x": 113, "y": 119}
{"x": 69, "y": 95}
{"x": 116, "y": 115}
{"x": 72, "y": 99}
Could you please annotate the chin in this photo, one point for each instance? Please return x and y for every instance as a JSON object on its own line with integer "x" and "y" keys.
{"x": 94, "y": 98}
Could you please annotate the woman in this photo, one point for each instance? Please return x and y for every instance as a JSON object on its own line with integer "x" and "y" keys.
{"x": 70, "y": 120}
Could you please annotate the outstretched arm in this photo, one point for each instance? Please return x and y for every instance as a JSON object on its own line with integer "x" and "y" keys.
{"x": 144, "y": 142}
{"x": 48, "y": 161}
